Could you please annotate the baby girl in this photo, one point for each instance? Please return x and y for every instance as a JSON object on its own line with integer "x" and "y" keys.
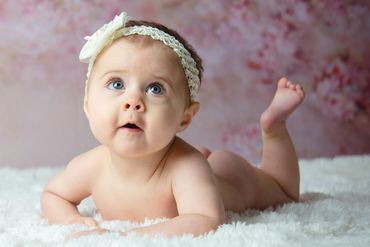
{"x": 140, "y": 92}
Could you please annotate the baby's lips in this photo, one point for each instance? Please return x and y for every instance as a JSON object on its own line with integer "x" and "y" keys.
{"x": 131, "y": 126}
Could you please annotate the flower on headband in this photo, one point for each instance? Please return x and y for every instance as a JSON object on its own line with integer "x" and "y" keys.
{"x": 96, "y": 42}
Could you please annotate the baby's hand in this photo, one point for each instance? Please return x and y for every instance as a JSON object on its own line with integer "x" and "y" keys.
{"x": 89, "y": 232}
{"x": 88, "y": 221}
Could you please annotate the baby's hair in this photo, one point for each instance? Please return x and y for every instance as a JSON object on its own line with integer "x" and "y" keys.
{"x": 175, "y": 34}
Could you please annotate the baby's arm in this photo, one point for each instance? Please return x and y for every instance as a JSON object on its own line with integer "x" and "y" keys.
{"x": 199, "y": 204}
{"x": 65, "y": 191}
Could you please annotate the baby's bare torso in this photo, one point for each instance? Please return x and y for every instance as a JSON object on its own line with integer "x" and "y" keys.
{"x": 118, "y": 199}
{"x": 127, "y": 201}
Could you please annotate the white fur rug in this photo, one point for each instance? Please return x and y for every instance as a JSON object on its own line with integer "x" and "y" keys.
{"x": 334, "y": 211}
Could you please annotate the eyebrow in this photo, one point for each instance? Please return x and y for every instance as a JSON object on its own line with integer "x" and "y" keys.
{"x": 162, "y": 78}
{"x": 112, "y": 71}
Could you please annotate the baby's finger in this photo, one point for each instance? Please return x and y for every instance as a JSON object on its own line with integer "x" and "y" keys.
{"x": 91, "y": 222}
{"x": 89, "y": 232}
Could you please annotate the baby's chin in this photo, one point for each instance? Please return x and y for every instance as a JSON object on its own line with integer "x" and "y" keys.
{"x": 135, "y": 149}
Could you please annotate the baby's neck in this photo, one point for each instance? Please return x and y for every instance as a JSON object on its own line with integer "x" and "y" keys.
{"x": 138, "y": 169}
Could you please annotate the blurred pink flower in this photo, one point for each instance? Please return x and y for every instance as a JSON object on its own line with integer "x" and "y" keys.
{"x": 343, "y": 87}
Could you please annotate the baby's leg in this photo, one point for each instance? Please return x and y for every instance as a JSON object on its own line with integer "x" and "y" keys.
{"x": 279, "y": 159}
{"x": 277, "y": 180}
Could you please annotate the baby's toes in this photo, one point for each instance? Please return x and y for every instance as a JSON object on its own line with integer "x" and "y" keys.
{"x": 282, "y": 83}
{"x": 291, "y": 85}
{"x": 299, "y": 90}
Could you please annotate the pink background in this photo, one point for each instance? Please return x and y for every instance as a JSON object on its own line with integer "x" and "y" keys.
{"x": 246, "y": 46}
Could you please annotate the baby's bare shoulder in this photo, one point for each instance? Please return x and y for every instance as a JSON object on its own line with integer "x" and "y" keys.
{"x": 186, "y": 158}
{"x": 75, "y": 182}
{"x": 88, "y": 160}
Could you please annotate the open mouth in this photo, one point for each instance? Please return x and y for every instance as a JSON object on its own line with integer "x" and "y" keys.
{"x": 131, "y": 126}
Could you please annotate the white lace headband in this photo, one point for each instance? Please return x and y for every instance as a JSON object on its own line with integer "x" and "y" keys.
{"x": 116, "y": 29}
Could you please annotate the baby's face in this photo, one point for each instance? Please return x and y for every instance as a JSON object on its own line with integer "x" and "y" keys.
{"x": 137, "y": 97}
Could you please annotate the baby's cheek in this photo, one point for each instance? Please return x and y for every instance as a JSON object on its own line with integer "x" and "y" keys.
{"x": 174, "y": 121}
{"x": 97, "y": 130}
{"x": 163, "y": 120}
{"x": 101, "y": 125}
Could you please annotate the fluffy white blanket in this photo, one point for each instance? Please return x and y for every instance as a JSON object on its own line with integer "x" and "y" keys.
{"x": 334, "y": 211}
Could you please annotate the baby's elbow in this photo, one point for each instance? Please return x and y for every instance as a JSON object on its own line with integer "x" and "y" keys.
{"x": 214, "y": 224}
{"x": 216, "y": 221}
{"x": 293, "y": 198}
{"x": 44, "y": 198}
{"x": 296, "y": 198}
{"x": 45, "y": 202}
{"x": 221, "y": 219}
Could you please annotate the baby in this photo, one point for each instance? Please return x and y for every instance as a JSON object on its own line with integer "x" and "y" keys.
{"x": 140, "y": 92}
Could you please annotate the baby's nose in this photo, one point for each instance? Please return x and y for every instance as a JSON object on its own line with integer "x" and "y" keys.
{"x": 134, "y": 104}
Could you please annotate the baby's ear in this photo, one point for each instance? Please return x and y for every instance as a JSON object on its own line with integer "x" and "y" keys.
{"x": 189, "y": 113}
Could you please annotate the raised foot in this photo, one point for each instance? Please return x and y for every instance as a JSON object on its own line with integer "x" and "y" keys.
{"x": 288, "y": 97}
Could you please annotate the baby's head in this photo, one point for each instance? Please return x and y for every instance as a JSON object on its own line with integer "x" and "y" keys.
{"x": 142, "y": 82}
{"x": 138, "y": 31}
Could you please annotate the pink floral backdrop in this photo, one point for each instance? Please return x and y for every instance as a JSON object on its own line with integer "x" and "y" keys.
{"x": 246, "y": 46}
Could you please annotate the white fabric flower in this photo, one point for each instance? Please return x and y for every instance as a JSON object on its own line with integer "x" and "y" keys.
{"x": 96, "y": 42}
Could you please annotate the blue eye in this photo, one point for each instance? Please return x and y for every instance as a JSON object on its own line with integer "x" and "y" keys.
{"x": 155, "y": 89}
{"x": 116, "y": 84}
